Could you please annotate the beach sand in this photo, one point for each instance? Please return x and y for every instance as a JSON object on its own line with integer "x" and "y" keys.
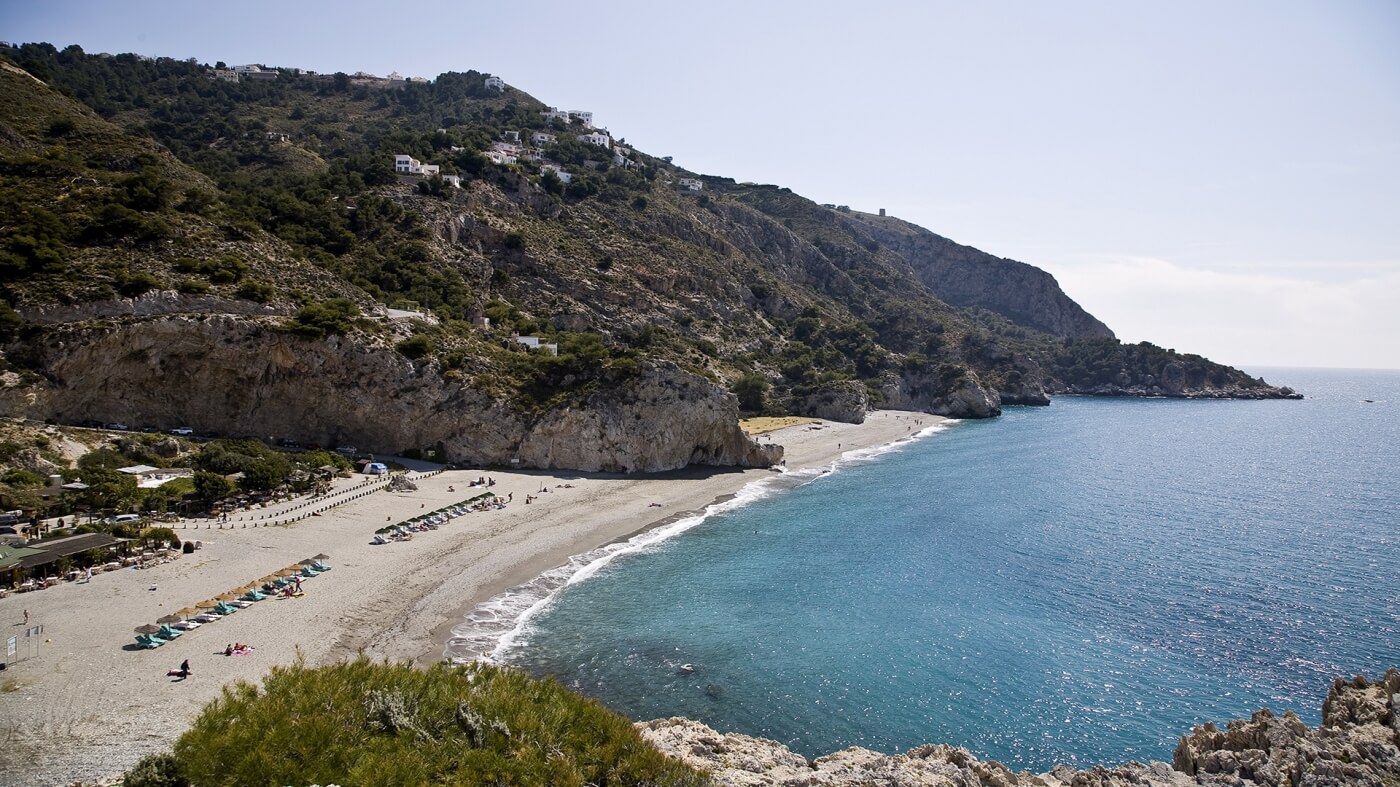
{"x": 87, "y": 706}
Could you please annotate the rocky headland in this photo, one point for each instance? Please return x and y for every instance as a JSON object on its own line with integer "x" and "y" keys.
{"x": 1358, "y": 743}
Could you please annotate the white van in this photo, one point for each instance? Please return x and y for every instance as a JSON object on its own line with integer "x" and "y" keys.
{"x": 183, "y": 431}
{"x": 123, "y": 518}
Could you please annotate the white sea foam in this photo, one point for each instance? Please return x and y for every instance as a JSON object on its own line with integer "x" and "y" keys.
{"x": 498, "y": 625}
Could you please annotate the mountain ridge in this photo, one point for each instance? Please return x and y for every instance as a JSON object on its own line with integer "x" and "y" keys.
{"x": 155, "y": 192}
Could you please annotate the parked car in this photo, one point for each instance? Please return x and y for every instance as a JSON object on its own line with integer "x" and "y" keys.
{"x": 122, "y": 519}
{"x": 118, "y": 426}
{"x": 183, "y": 431}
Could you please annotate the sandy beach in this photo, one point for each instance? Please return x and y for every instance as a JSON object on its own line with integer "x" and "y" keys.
{"x": 88, "y": 706}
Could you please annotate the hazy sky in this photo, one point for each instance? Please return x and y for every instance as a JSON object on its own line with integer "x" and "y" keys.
{"x": 1221, "y": 178}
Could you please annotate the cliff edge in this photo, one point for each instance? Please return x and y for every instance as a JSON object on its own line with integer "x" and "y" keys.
{"x": 1356, "y": 744}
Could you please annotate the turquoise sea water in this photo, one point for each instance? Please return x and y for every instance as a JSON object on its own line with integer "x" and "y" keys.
{"x": 1080, "y": 583}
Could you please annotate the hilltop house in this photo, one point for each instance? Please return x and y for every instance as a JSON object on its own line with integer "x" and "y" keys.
{"x": 509, "y": 148}
{"x": 692, "y": 184}
{"x": 495, "y": 83}
{"x": 499, "y": 157}
{"x": 599, "y": 138}
{"x": 586, "y": 118}
{"x": 541, "y": 138}
{"x": 248, "y": 69}
{"x": 225, "y": 74}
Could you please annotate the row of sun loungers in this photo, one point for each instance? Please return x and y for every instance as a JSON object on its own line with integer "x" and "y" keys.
{"x": 404, "y": 530}
{"x": 173, "y": 626}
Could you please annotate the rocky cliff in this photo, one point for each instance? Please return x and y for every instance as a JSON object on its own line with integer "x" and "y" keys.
{"x": 239, "y": 375}
{"x": 1358, "y": 743}
{"x": 964, "y": 276}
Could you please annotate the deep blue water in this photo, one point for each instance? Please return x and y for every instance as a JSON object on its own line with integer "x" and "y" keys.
{"x": 1080, "y": 583}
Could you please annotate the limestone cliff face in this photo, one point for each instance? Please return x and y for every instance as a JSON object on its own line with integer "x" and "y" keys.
{"x": 846, "y": 401}
{"x": 236, "y": 375}
{"x": 963, "y": 396}
{"x": 964, "y": 276}
{"x": 1358, "y": 743}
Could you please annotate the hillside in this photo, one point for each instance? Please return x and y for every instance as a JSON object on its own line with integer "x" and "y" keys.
{"x": 240, "y": 256}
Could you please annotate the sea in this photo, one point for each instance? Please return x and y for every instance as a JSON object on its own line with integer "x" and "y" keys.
{"x": 1080, "y": 583}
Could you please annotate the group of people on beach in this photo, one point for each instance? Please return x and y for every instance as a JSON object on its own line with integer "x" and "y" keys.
{"x": 236, "y": 649}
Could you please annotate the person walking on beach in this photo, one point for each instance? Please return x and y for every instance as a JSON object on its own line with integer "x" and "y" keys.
{"x": 26, "y": 618}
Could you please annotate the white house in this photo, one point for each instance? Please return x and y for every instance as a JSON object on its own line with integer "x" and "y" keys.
{"x": 227, "y": 75}
{"x": 693, "y": 184}
{"x": 508, "y": 148}
{"x": 597, "y": 138}
{"x": 510, "y": 136}
{"x": 405, "y": 164}
{"x": 248, "y": 69}
{"x": 495, "y": 83}
{"x": 455, "y": 180}
{"x": 584, "y": 117}
{"x": 534, "y": 343}
{"x": 558, "y": 172}
{"x": 499, "y": 157}
{"x": 554, "y": 113}
{"x": 278, "y": 136}
{"x": 541, "y": 138}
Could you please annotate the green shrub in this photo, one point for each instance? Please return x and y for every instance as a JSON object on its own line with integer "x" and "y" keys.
{"x": 415, "y": 346}
{"x": 256, "y": 291}
{"x": 333, "y": 316}
{"x": 155, "y": 770}
{"x": 364, "y": 723}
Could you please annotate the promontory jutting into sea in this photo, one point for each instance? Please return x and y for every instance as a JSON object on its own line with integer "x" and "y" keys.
{"x": 344, "y": 411}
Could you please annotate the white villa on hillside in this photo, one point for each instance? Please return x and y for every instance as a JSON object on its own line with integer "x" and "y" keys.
{"x": 582, "y": 116}
{"x": 541, "y": 138}
{"x": 599, "y": 138}
{"x": 693, "y": 184}
{"x": 558, "y": 172}
{"x": 499, "y": 157}
{"x": 248, "y": 69}
{"x": 495, "y": 83}
{"x": 534, "y": 343}
{"x": 405, "y": 164}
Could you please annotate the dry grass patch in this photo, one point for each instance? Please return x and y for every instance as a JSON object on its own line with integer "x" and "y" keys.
{"x": 766, "y": 424}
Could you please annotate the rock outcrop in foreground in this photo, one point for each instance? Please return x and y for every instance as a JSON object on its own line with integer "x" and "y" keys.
{"x": 1355, "y": 744}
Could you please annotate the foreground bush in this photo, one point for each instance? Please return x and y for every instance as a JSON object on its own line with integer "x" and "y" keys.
{"x": 365, "y": 723}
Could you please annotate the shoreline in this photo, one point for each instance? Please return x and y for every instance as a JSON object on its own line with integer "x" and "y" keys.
{"x": 86, "y": 707}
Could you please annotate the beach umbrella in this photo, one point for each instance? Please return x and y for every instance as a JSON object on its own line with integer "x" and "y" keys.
{"x": 210, "y": 604}
{"x": 307, "y": 561}
{"x": 322, "y": 556}
{"x": 268, "y": 578}
{"x": 169, "y": 619}
{"x": 148, "y": 629}
{"x": 289, "y": 571}
{"x": 187, "y": 612}
{"x": 227, "y": 596}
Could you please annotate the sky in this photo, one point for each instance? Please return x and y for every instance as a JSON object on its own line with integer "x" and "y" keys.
{"x": 1218, "y": 178}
